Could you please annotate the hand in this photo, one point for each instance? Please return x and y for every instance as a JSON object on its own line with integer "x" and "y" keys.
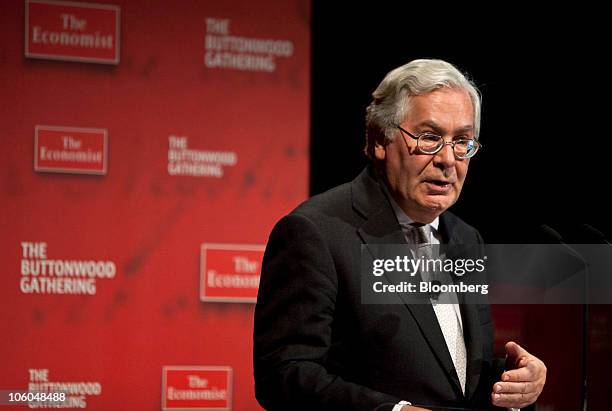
{"x": 413, "y": 408}
{"x": 522, "y": 384}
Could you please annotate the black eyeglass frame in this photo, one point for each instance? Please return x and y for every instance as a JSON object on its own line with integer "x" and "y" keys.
{"x": 444, "y": 143}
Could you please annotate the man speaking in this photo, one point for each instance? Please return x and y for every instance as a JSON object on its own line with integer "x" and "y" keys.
{"x": 316, "y": 346}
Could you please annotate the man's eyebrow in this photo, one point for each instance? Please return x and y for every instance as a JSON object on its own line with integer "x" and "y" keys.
{"x": 464, "y": 129}
{"x": 439, "y": 130}
{"x": 431, "y": 124}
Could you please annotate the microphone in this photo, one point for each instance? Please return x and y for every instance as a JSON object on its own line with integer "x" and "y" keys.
{"x": 554, "y": 235}
{"x": 551, "y": 233}
{"x": 595, "y": 234}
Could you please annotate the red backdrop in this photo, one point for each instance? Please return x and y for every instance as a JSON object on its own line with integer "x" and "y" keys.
{"x": 149, "y": 223}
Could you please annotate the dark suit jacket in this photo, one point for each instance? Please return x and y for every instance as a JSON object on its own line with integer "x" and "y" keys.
{"x": 317, "y": 347}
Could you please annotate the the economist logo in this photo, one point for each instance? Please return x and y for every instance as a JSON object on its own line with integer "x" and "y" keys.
{"x": 196, "y": 387}
{"x": 60, "y": 30}
{"x": 230, "y": 272}
{"x": 70, "y": 150}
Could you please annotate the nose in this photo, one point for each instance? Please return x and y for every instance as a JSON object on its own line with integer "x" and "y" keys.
{"x": 445, "y": 158}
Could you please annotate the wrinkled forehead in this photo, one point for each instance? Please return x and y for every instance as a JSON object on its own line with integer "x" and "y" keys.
{"x": 444, "y": 108}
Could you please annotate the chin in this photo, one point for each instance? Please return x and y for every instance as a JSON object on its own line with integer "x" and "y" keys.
{"x": 430, "y": 207}
{"x": 438, "y": 206}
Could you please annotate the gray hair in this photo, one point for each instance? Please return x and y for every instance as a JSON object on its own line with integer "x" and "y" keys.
{"x": 391, "y": 99}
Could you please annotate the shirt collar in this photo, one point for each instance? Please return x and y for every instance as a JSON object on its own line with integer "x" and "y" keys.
{"x": 402, "y": 218}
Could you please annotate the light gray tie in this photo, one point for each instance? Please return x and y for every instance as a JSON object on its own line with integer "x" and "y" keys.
{"x": 446, "y": 313}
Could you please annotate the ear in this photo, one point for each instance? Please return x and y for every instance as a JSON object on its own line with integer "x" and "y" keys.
{"x": 380, "y": 152}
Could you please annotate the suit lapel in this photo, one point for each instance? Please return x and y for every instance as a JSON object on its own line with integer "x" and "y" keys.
{"x": 473, "y": 342}
{"x": 381, "y": 227}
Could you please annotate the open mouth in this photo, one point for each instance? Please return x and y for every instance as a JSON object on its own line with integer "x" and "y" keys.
{"x": 439, "y": 183}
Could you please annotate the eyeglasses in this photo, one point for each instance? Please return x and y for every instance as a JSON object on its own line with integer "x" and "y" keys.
{"x": 429, "y": 143}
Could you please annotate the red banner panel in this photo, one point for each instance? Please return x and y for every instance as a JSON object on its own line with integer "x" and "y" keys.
{"x": 70, "y": 150}
{"x": 106, "y": 280}
{"x": 230, "y": 272}
{"x": 72, "y": 31}
{"x": 196, "y": 388}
